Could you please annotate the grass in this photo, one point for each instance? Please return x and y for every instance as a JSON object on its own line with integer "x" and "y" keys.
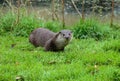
{"x": 82, "y": 60}
{"x": 91, "y": 27}
{"x": 25, "y": 24}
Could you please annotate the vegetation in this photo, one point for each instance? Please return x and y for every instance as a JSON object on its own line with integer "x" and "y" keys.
{"x": 91, "y": 28}
{"x": 26, "y": 24}
{"x": 85, "y": 60}
{"x": 92, "y": 55}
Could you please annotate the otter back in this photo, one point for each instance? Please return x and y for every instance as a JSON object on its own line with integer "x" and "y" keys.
{"x": 40, "y": 36}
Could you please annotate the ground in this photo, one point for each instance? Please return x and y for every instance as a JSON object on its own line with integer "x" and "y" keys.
{"x": 82, "y": 60}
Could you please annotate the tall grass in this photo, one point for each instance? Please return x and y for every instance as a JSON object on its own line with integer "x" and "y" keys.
{"x": 19, "y": 21}
{"x": 27, "y": 23}
{"x": 91, "y": 28}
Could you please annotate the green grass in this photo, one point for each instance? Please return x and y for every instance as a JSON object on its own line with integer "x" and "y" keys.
{"x": 94, "y": 56}
{"x": 82, "y": 60}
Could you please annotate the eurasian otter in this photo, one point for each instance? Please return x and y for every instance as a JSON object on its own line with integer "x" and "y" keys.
{"x": 49, "y": 40}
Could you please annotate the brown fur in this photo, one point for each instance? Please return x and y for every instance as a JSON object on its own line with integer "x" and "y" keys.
{"x": 49, "y": 40}
{"x": 39, "y": 36}
{"x": 51, "y": 45}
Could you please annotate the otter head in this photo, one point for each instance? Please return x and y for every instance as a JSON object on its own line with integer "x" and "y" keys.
{"x": 66, "y": 34}
{"x": 63, "y": 38}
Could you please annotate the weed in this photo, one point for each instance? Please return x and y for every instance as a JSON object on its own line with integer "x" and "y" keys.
{"x": 90, "y": 28}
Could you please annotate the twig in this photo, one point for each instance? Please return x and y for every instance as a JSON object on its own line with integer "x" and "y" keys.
{"x": 112, "y": 15}
{"x": 83, "y": 10}
{"x": 63, "y": 13}
{"x": 56, "y": 16}
{"x": 53, "y": 10}
{"x": 10, "y": 4}
{"x": 76, "y": 8}
{"x": 18, "y": 12}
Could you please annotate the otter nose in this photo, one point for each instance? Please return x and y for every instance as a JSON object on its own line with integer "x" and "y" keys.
{"x": 67, "y": 38}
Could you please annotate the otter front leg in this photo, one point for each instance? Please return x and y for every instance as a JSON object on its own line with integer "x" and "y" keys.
{"x": 61, "y": 49}
{"x": 49, "y": 45}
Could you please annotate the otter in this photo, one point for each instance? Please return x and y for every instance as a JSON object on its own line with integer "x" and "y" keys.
{"x": 49, "y": 40}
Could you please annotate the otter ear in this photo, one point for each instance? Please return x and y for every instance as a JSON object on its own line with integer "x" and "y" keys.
{"x": 71, "y": 31}
{"x": 60, "y": 32}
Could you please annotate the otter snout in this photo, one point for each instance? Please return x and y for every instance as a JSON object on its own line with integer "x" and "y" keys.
{"x": 66, "y": 34}
{"x": 67, "y": 38}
